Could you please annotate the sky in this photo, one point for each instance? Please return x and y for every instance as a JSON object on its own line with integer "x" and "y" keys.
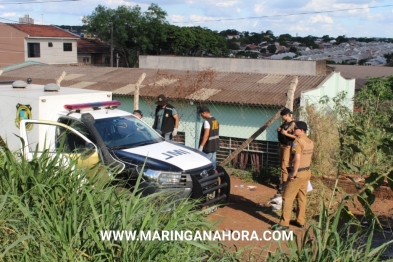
{"x": 352, "y": 18}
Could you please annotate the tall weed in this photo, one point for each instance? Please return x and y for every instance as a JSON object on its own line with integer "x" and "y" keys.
{"x": 48, "y": 212}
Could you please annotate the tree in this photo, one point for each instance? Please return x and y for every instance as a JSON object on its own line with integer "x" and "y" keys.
{"x": 134, "y": 32}
{"x": 227, "y": 32}
{"x": 208, "y": 42}
{"x": 389, "y": 59}
{"x": 271, "y": 48}
{"x": 293, "y": 49}
{"x": 263, "y": 51}
{"x": 341, "y": 39}
{"x": 233, "y": 46}
{"x": 180, "y": 40}
{"x": 326, "y": 38}
{"x": 285, "y": 37}
{"x": 362, "y": 61}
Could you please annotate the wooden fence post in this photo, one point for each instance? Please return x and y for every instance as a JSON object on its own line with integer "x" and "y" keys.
{"x": 61, "y": 77}
{"x": 289, "y": 104}
{"x": 136, "y": 92}
{"x": 251, "y": 138}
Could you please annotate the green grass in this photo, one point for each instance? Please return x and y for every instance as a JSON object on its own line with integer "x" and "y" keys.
{"x": 47, "y": 213}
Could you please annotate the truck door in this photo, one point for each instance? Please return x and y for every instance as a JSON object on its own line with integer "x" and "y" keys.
{"x": 58, "y": 138}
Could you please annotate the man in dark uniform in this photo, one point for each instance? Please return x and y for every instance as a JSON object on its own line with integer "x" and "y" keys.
{"x": 166, "y": 119}
{"x": 285, "y": 137}
{"x": 209, "y": 142}
{"x": 302, "y": 149}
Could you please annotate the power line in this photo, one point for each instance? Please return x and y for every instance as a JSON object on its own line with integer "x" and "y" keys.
{"x": 267, "y": 16}
{"x": 8, "y": 20}
{"x": 36, "y": 2}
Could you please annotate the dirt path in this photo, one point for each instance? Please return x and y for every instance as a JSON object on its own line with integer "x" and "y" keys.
{"x": 245, "y": 212}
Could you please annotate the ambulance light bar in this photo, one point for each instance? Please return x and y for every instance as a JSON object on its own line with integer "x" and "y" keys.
{"x": 112, "y": 103}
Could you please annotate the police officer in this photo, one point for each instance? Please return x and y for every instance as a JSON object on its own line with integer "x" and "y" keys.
{"x": 285, "y": 137}
{"x": 302, "y": 150}
{"x": 209, "y": 142}
{"x": 166, "y": 119}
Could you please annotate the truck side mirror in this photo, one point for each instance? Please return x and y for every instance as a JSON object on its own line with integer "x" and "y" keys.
{"x": 88, "y": 150}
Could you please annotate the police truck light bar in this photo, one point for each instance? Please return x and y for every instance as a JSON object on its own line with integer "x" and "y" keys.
{"x": 113, "y": 103}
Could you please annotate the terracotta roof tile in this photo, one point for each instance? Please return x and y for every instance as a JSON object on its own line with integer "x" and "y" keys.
{"x": 239, "y": 88}
{"x": 90, "y": 46}
{"x": 42, "y": 30}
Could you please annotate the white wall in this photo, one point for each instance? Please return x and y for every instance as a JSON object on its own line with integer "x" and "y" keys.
{"x": 331, "y": 87}
{"x": 54, "y": 54}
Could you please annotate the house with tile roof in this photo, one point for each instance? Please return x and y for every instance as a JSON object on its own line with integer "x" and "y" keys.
{"x": 93, "y": 52}
{"x": 39, "y": 43}
{"x": 241, "y": 101}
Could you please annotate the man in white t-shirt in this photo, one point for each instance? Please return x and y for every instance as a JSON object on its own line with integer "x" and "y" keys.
{"x": 209, "y": 142}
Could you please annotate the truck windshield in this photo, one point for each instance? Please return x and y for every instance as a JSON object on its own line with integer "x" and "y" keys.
{"x": 125, "y": 132}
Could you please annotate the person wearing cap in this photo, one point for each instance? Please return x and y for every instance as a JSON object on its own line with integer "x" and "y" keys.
{"x": 138, "y": 113}
{"x": 302, "y": 150}
{"x": 285, "y": 137}
{"x": 209, "y": 142}
{"x": 166, "y": 120}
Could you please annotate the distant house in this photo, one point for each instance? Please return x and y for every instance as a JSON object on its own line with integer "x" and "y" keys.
{"x": 252, "y": 47}
{"x": 281, "y": 49}
{"x": 39, "y": 43}
{"x": 230, "y": 37}
{"x": 93, "y": 52}
{"x": 325, "y": 45}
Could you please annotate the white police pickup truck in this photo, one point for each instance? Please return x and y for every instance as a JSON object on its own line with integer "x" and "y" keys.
{"x": 88, "y": 125}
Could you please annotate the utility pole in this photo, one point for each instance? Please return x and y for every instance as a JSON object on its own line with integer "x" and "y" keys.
{"x": 111, "y": 44}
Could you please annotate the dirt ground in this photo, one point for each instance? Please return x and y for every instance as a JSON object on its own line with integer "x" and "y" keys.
{"x": 246, "y": 211}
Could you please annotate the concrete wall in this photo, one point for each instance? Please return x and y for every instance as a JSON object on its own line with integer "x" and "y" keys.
{"x": 12, "y": 48}
{"x": 82, "y": 56}
{"x": 263, "y": 66}
{"x": 331, "y": 87}
{"x": 54, "y": 54}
